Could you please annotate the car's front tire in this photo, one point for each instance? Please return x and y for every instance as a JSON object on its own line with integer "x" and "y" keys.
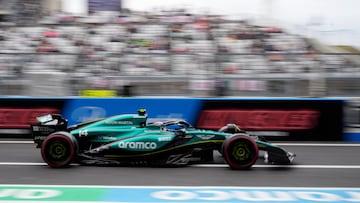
{"x": 240, "y": 152}
{"x": 59, "y": 149}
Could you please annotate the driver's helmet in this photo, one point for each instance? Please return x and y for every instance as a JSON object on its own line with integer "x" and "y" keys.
{"x": 230, "y": 128}
{"x": 142, "y": 112}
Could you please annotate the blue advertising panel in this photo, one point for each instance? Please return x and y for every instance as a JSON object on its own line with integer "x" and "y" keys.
{"x": 233, "y": 194}
{"x": 166, "y": 194}
{"x": 85, "y": 109}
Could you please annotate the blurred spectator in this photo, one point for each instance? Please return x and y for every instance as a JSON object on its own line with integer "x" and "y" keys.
{"x": 131, "y": 28}
{"x": 46, "y": 47}
{"x": 51, "y": 33}
{"x": 257, "y": 46}
{"x": 220, "y": 88}
{"x": 159, "y": 43}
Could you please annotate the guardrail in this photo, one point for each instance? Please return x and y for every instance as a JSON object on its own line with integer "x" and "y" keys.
{"x": 183, "y": 74}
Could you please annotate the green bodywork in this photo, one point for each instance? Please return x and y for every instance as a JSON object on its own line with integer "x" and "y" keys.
{"x": 131, "y": 137}
{"x": 133, "y": 133}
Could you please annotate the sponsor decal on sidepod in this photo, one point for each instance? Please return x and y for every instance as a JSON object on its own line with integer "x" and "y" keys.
{"x": 137, "y": 145}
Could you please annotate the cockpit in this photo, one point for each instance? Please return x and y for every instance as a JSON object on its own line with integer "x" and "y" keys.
{"x": 173, "y": 125}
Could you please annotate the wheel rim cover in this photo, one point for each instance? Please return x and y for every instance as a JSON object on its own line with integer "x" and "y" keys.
{"x": 57, "y": 151}
{"x": 241, "y": 152}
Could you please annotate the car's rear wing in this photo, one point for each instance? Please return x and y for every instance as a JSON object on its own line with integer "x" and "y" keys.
{"x": 46, "y": 125}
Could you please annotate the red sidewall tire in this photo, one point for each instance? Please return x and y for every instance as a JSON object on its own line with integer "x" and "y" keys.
{"x": 63, "y": 141}
{"x": 229, "y": 147}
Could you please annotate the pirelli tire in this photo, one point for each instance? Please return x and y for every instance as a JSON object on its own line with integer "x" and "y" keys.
{"x": 240, "y": 152}
{"x": 59, "y": 149}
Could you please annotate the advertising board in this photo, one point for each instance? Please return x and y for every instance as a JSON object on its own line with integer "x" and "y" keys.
{"x": 299, "y": 119}
{"x": 21, "y": 112}
{"x": 277, "y": 119}
{"x": 85, "y": 109}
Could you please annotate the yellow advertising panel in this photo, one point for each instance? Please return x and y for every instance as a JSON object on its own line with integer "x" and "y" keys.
{"x": 98, "y": 93}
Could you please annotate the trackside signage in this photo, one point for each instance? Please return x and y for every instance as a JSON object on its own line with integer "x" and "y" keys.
{"x": 34, "y": 193}
{"x": 277, "y": 119}
{"x": 49, "y": 194}
{"x": 22, "y": 117}
{"x": 260, "y": 119}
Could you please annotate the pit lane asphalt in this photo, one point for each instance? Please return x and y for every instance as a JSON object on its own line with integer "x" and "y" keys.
{"x": 314, "y": 166}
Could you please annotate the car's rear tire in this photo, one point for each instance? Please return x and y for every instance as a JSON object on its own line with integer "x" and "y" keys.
{"x": 240, "y": 152}
{"x": 59, "y": 149}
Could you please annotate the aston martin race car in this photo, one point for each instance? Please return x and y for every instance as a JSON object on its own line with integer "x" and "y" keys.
{"x": 135, "y": 139}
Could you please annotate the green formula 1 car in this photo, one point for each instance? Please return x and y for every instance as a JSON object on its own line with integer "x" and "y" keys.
{"x": 132, "y": 139}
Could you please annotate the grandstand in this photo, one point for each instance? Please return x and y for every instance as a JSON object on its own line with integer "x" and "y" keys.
{"x": 173, "y": 53}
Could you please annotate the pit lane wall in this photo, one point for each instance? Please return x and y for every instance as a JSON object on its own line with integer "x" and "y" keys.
{"x": 294, "y": 119}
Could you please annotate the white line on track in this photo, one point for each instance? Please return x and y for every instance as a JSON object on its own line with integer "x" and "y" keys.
{"x": 178, "y": 187}
{"x": 319, "y": 144}
{"x": 279, "y": 144}
{"x": 16, "y": 142}
{"x": 21, "y": 164}
{"x": 284, "y": 166}
{"x": 215, "y": 165}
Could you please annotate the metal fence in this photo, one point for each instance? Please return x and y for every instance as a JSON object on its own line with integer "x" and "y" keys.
{"x": 178, "y": 74}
